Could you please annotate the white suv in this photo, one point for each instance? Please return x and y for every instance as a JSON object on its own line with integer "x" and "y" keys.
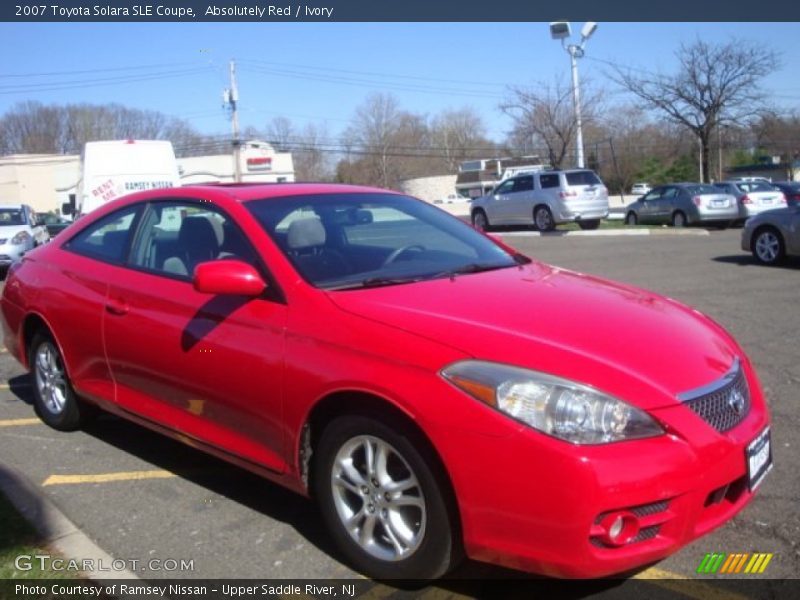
{"x": 20, "y": 231}
{"x": 544, "y": 199}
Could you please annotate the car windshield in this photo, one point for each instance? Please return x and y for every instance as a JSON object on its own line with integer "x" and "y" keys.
{"x": 583, "y": 178}
{"x": 700, "y": 188}
{"x": 11, "y": 216}
{"x": 350, "y": 241}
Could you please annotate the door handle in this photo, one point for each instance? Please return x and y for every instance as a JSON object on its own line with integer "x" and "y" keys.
{"x": 117, "y": 306}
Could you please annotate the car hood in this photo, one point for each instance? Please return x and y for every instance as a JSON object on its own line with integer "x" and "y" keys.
{"x": 634, "y": 344}
{"x": 9, "y": 231}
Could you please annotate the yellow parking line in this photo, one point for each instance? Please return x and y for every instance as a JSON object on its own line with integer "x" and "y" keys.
{"x": 106, "y": 477}
{"x": 687, "y": 586}
{"x": 16, "y": 422}
{"x": 5, "y": 386}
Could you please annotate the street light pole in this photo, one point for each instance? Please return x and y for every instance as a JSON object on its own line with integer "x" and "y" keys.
{"x": 576, "y": 52}
{"x": 561, "y": 30}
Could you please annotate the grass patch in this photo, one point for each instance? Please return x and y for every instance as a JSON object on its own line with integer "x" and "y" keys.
{"x": 18, "y": 538}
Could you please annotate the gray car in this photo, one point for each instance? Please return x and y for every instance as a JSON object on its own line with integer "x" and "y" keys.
{"x": 682, "y": 204}
{"x": 753, "y": 197}
{"x": 773, "y": 235}
{"x": 544, "y": 199}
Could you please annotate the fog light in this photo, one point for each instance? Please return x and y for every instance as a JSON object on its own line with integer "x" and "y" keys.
{"x": 619, "y": 528}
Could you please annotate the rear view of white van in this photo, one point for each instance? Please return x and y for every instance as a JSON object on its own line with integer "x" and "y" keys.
{"x": 116, "y": 168}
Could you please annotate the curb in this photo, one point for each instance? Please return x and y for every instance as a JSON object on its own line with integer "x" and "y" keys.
{"x": 56, "y": 530}
{"x": 605, "y": 233}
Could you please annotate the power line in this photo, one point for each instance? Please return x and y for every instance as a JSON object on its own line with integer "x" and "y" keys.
{"x": 83, "y": 71}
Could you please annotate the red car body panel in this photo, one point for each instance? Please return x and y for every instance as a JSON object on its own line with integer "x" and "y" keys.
{"x": 239, "y": 378}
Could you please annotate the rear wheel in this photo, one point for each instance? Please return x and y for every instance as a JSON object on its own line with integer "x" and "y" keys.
{"x": 543, "y": 218}
{"x": 630, "y": 219}
{"x": 768, "y": 247}
{"x": 480, "y": 220}
{"x": 384, "y": 506}
{"x": 589, "y": 224}
{"x": 678, "y": 219}
{"x": 54, "y": 400}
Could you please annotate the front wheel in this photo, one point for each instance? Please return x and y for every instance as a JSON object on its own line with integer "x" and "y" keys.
{"x": 54, "y": 400}
{"x": 768, "y": 246}
{"x": 383, "y": 505}
{"x": 630, "y": 219}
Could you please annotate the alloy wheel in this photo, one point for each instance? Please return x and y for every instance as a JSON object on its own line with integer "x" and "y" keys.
{"x": 50, "y": 379}
{"x": 378, "y": 498}
{"x": 768, "y": 247}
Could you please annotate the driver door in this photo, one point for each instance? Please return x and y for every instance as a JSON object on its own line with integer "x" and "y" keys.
{"x": 499, "y": 207}
{"x": 206, "y": 366}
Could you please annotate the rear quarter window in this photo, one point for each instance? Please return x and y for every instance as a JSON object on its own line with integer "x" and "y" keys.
{"x": 583, "y": 178}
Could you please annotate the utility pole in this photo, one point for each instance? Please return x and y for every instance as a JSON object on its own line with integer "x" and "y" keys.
{"x": 576, "y": 52}
{"x": 230, "y": 98}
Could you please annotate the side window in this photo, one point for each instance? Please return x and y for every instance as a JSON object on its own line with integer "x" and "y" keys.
{"x": 107, "y": 239}
{"x": 505, "y": 188}
{"x": 654, "y": 195}
{"x": 523, "y": 184}
{"x": 176, "y": 236}
{"x": 549, "y": 180}
{"x": 669, "y": 193}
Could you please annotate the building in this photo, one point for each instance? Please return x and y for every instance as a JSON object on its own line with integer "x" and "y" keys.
{"x": 437, "y": 189}
{"x": 258, "y": 160}
{"x": 46, "y": 181}
{"x": 479, "y": 177}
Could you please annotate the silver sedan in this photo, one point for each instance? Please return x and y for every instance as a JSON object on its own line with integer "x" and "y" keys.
{"x": 773, "y": 235}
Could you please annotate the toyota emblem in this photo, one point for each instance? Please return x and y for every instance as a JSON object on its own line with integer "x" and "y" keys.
{"x": 736, "y": 401}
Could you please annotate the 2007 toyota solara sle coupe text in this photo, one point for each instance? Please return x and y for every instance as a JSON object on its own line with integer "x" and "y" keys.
{"x": 437, "y": 393}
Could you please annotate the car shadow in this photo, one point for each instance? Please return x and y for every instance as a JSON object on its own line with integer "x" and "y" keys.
{"x": 747, "y": 260}
{"x": 478, "y": 580}
{"x": 22, "y": 387}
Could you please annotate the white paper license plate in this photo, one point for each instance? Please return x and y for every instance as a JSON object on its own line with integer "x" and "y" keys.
{"x": 759, "y": 459}
{"x": 720, "y": 203}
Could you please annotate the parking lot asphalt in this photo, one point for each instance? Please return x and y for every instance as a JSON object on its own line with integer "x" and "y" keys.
{"x": 142, "y": 497}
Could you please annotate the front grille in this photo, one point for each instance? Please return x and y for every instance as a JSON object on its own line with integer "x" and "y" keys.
{"x": 724, "y": 404}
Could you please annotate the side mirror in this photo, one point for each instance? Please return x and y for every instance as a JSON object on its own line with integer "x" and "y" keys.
{"x": 231, "y": 277}
{"x": 364, "y": 217}
{"x": 67, "y": 208}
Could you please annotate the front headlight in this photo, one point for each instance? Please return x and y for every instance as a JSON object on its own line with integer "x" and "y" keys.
{"x": 21, "y": 238}
{"x": 564, "y": 409}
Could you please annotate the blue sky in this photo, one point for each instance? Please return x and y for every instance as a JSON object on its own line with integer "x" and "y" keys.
{"x": 320, "y": 72}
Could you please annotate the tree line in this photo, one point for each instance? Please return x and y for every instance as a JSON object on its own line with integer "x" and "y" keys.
{"x": 710, "y": 114}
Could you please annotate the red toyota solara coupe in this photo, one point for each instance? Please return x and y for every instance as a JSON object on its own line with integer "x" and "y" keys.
{"x": 436, "y": 392}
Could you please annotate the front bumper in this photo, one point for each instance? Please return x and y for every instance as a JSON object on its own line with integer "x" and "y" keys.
{"x": 11, "y": 253}
{"x": 534, "y": 503}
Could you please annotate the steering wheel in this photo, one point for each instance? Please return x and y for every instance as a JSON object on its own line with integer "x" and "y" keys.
{"x": 402, "y": 249}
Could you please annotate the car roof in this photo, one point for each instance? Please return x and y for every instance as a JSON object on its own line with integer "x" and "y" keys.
{"x": 8, "y": 205}
{"x": 260, "y": 191}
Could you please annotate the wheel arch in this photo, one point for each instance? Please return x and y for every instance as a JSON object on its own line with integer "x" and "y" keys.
{"x": 32, "y": 323}
{"x": 368, "y": 404}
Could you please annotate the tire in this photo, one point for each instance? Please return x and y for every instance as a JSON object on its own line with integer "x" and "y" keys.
{"x": 631, "y": 219}
{"x": 768, "y": 246}
{"x": 404, "y": 534}
{"x": 480, "y": 221}
{"x": 679, "y": 219}
{"x": 54, "y": 400}
{"x": 543, "y": 218}
{"x": 589, "y": 224}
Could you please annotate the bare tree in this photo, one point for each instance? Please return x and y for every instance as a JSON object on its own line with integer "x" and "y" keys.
{"x": 715, "y": 83}
{"x": 373, "y": 130}
{"x": 458, "y": 135}
{"x": 544, "y": 118}
{"x": 311, "y": 158}
{"x": 280, "y": 133}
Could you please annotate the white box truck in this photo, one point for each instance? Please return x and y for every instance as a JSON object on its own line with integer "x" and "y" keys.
{"x": 112, "y": 169}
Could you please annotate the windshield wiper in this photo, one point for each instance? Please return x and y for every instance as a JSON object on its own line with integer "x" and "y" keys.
{"x": 473, "y": 268}
{"x": 371, "y": 282}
